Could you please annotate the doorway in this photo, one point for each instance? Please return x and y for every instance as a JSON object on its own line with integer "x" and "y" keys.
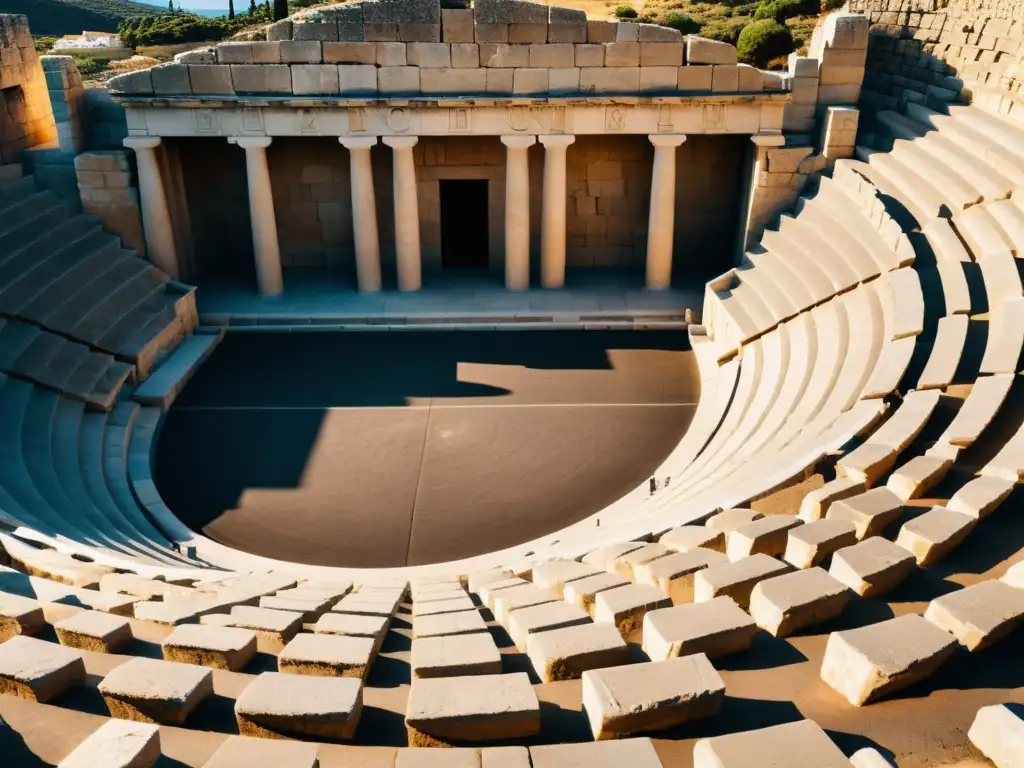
{"x": 464, "y": 234}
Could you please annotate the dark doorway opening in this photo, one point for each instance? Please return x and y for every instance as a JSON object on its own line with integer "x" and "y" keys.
{"x": 464, "y": 235}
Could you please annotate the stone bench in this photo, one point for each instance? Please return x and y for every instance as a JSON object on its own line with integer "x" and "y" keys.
{"x": 477, "y": 580}
{"x": 934, "y": 534}
{"x": 735, "y": 579}
{"x": 815, "y": 505}
{"x": 625, "y": 607}
{"x": 981, "y": 496}
{"x": 556, "y": 574}
{"x": 774, "y": 745}
{"x": 117, "y": 744}
{"x": 870, "y": 512}
{"x": 947, "y": 351}
{"x": 373, "y": 627}
{"x": 453, "y": 656}
{"x": 716, "y": 628}
{"x": 544, "y": 618}
{"x": 131, "y": 584}
{"x": 486, "y": 592}
{"x": 267, "y": 623}
{"x": 19, "y": 616}
{"x": 674, "y": 574}
{"x": 622, "y": 701}
{"x": 980, "y": 614}
{"x": 241, "y": 751}
{"x": 998, "y": 731}
{"x": 311, "y": 608}
{"x": 978, "y": 410}
{"x": 766, "y": 536}
{"x": 449, "y": 605}
{"x": 871, "y": 662}
{"x": 517, "y": 598}
{"x": 811, "y": 544}
{"x": 606, "y": 555}
{"x": 38, "y": 670}
{"x": 687, "y": 537}
{"x": 730, "y": 520}
{"x": 439, "y": 595}
{"x": 276, "y": 705}
{"x": 627, "y": 563}
{"x": 635, "y": 753}
{"x": 230, "y": 648}
{"x": 461, "y": 623}
{"x": 94, "y": 631}
{"x": 1005, "y": 335}
{"x": 453, "y": 711}
{"x": 565, "y": 654}
{"x": 873, "y": 566}
{"x": 362, "y": 605}
{"x": 327, "y": 655}
{"x": 583, "y": 592}
{"x": 166, "y": 383}
{"x": 785, "y": 604}
{"x": 150, "y": 691}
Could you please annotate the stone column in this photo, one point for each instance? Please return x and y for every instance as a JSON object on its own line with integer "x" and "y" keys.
{"x": 552, "y": 254}
{"x": 407, "y": 213}
{"x": 156, "y": 214}
{"x": 661, "y": 224}
{"x": 364, "y": 212}
{"x": 265, "y": 247}
{"x": 517, "y": 212}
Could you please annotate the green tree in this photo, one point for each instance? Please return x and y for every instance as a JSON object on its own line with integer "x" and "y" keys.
{"x": 762, "y": 41}
{"x": 231, "y": 9}
{"x": 253, "y": 8}
{"x": 626, "y": 12}
{"x": 280, "y": 9}
{"x": 170, "y": 5}
{"x": 682, "y": 22}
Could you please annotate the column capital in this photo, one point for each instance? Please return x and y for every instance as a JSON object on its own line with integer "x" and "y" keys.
{"x": 358, "y": 142}
{"x": 769, "y": 139}
{"x": 142, "y": 142}
{"x": 251, "y": 142}
{"x": 557, "y": 140}
{"x": 401, "y": 142}
{"x": 667, "y": 139}
{"x": 518, "y": 142}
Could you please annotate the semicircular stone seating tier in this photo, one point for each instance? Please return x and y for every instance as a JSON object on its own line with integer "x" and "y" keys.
{"x": 843, "y": 344}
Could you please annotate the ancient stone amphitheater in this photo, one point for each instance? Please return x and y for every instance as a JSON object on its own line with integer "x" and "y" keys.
{"x": 820, "y": 573}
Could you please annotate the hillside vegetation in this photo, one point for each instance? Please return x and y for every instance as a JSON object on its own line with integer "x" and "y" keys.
{"x": 71, "y": 17}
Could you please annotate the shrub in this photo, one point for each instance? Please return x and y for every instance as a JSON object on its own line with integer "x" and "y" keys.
{"x": 88, "y": 66}
{"x": 726, "y": 31}
{"x": 831, "y": 5}
{"x": 682, "y": 22}
{"x": 626, "y": 12}
{"x": 780, "y": 10}
{"x": 762, "y": 41}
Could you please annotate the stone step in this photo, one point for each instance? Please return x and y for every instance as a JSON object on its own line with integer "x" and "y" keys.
{"x": 59, "y": 215}
{"x": 1005, "y": 338}
{"x": 946, "y": 353}
{"x": 16, "y": 189}
{"x": 958, "y": 190}
{"x": 770, "y": 746}
{"x": 829, "y": 251}
{"x": 15, "y": 210}
{"x": 164, "y": 385}
{"x": 117, "y": 744}
{"x": 998, "y": 731}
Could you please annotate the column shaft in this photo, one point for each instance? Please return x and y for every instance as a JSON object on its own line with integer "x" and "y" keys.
{"x": 517, "y": 212}
{"x": 364, "y": 213}
{"x": 552, "y": 257}
{"x": 156, "y": 213}
{"x": 266, "y": 249}
{"x": 661, "y": 224}
{"x": 407, "y": 213}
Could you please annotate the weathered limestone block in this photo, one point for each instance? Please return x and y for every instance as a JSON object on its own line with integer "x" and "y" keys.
{"x": 703, "y": 51}
{"x": 661, "y": 54}
{"x": 556, "y": 574}
{"x": 171, "y": 80}
{"x": 198, "y": 56}
{"x": 659, "y": 79}
{"x": 374, "y": 627}
{"x": 589, "y": 55}
{"x": 731, "y": 519}
{"x": 366, "y": 605}
{"x": 610, "y": 80}
{"x": 717, "y": 628}
{"x": 244, "y": 751}
{"x": 280, "y": 30}
{"x": 94, "y": 631}
{"x": 261, "y": 78}
{"x": 870, "y": 512}
{"x": 625, "y": 607}
{"x": 725, "y": 78}
{"x": 981, "y": 496}
{"x": 636, "y": 753}
{"x": 567, "y": 25}
{"x": 265, "y": 53}
{"x": 793, "y": 601}
{"x": 510, "y": 12}
{"x": 278, "y": 626}
{"x": 564, "y": 654}
{"x": 607, "y": 554}
{"x": 544, "y": 618}
{"x": 429, "y": 55}
{"x": 313, "y": 79}
{"x": 503, "y": 55}
{"x": 19, "y": 616}
{"x": 276, "y": 705}
{"x": 871, "y": 662}
{"x": 626, "y": 564}
{"x": 528, "y": 33}
{"x": 815, "y": 505}
{"x": 487, "y": 592}
{"x": 455, "y": 655}
{"x": 622, "y": 55}
{"x": 621, "y": 701}
{"x": 935, "y": 534}
{"x": 873, "y": 566}
{"x": 234, "y": 53}
{"x": 552, "y": 55}
{"x": 980, "y": 614}
{"x": 765, "y": 536}
{"x": 627, "y": 32}
{"x": 453, "y": 80}
{"x": 356, "y": 79}
{"x": 459, "y": 602}
{"x": 674, "y": 574}
{"x": 688, "y": 537}
{"x": 530, "y": 81}
{"x": 810, "y": 544}
{"x": 228, "y": 648}
{"x": 210, "y": 80}
{"x": 696, "y": 78}
{"x": 583, "y": 592}
{"x": 845, "y": 31}
{"x": 37, "y": 670}
{"x": 914, "y": 478}
{"x": 601, "y": 31}
{"x": 460, "y": 623}
{"x": 327, "y": 655}
{"x": 350, "y": 53}
{"x": 301, "y": 52}
{"x": 150, "y": 691}
{"x": 117, "y": 744}
{"x": 322, "y": 31}
{"x": 998, "y": 731}
{"x": 465, "y": 55}
{"x": 770, "y": 746}
{"x": 736, "y": 579}
{"x": 511, "y": 600}
{"x": 139, "y": 83}
{"x": 469, "y": 710}
{"x": 457, "y": 25}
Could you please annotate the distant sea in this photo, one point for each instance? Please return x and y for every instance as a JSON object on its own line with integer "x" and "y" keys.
{"x": 208, "y": 12}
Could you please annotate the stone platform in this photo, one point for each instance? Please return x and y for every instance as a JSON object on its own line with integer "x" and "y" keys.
{"x": 318, "y": 299}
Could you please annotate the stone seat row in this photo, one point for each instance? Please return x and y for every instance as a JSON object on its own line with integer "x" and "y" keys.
{"x": 59, "y": 270}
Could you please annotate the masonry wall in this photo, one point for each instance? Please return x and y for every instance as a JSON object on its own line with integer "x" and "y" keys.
{"x": 25, "y": 116}
{"x": 934, "y": 52}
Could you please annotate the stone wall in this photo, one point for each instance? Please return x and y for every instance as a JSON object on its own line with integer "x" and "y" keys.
{"x": 106, "y": 190}
{"x": 934, "y": 52}
{"x": 413, "y": 47}
{"x": 67, "y": 96}
{"x": 25, "y": 116}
